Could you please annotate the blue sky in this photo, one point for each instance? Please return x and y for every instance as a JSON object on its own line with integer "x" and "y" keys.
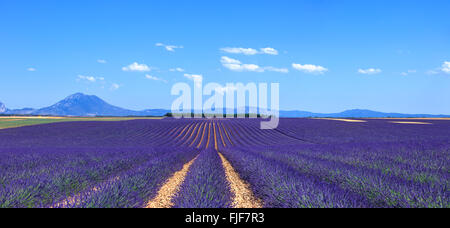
{"x": 328, "y": 56}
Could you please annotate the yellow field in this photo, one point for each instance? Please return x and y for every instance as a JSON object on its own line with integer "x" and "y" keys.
{"x": 409, "y": 118}
{"x": 344, "y": 120}
{"x": 407, "y": 122}
{"x": 20, "y": 121}
{"x": 394, "y": 120}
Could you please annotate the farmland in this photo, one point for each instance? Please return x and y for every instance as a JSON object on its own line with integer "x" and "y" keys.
{"x": 20, "y": 121}
{"x": 223, "y": 163}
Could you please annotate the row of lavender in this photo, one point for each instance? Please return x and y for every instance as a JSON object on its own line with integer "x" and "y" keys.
{"x": 303, "y": 163}
{"x": 41, "y": 166}
{"x": 340, "y": 164}
{"x": 99, "y": 164}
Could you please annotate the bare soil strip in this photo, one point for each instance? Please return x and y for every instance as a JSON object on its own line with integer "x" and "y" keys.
{"x": 345, "y": 120}
{"x": 243, "y": 196}
{"x": 192, "y": 134}
{"x": 175, "y": 128}
{"x": 187, "y": 132}
{"x": 215, "y": 137}
{"x": 203, "y": 135}
{"x": 209, "y": 134}
{"x": 228, "y": 136}
{"x": 165, "y": 195}
{"x": 184, "y": 129}
{"x": 405, "y": 122}
{"x": 196, "y": 136}
{"x": 221, "y": 135}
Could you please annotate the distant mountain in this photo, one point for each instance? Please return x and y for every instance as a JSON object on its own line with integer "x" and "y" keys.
{"x": 23, "y": 111}
{"x": 354, "y": 113}
{"x": 373, "y": 114}
{"x": 357, "y": 113}
{"x": 2, "y": 107}
{"x": 89, "y": 105}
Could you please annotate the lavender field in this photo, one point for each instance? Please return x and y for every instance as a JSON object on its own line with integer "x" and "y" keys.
{"x": 224, "y": 163}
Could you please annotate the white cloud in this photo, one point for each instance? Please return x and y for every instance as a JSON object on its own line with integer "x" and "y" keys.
{"x": 170, "y": 48}
{"x": 408, "y": 72}
{"x": 31, "y": 69}
{"x": 115, "y": 86}
{"x": 197, "y": 78}
{"x": 136, "y": 67}
{"x": 228, "y": 60}
{"x": 249, "y": 51}
{"x": 251, "y": 67}
{"x": 155, "y": 78}
{"x": 369, "y": 71}
{"x": 235, "y": 50}
{"x": 102, "y": 61}
{"x": 446, "y": 67}
{"x": 194, "y": 77}
{"x": 87, "y": 78}
{"x": 178, "y": 69}
{"x": 90, "y": 78}
{"x": 269, "y": 51}
{"x": 309, "y": 68}
{"x": 236, "y": 65}
{"x": 279, "y": 70}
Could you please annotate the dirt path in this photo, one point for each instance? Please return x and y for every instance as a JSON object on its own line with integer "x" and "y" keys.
{"x": 243, "y": 196}
{"x": 164, "y": 197}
